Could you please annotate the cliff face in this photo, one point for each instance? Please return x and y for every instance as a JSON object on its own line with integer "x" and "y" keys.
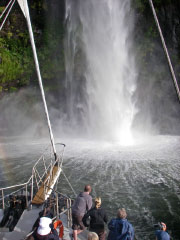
{"x": 155, "y": 96}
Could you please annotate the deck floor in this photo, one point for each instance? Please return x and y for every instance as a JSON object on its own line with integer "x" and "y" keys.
{"x": 24, "y": 225}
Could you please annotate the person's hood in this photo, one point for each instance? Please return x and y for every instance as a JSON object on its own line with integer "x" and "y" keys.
{"x": 83, "y": 194}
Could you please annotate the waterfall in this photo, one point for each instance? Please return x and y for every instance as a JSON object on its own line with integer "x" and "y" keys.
{"x": 100, "y": 69}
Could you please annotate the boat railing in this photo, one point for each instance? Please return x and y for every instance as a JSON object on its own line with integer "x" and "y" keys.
{"x": 42, "y": 168}
{"x": 59, "y": 210}
{"x": 14, "y": 190}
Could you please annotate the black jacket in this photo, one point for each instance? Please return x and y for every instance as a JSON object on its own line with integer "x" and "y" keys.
{"x": 98, "y": 217}
{"x": 51, "y": 236}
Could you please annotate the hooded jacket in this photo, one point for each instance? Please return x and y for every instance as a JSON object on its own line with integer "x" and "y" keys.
{"x": 82, "y": 204}
{"x": 120, "y": 229}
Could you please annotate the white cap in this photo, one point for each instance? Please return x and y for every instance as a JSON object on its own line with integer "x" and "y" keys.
{"x": 44, "y": 227}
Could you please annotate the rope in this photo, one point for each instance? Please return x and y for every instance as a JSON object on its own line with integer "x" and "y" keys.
{"x": 7, "y": 15}
{"x": 165, "y": 50}
{"x": 69, "y": 184}
{"x": 5, "y": 9}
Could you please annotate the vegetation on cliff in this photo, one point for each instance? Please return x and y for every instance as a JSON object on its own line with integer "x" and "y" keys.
{"x": 17, "y": 68}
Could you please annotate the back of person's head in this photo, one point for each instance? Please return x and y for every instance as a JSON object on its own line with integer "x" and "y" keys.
{"x": 87, "y": 188}
{"x": 162, "y": 226}
{"x": 121, "y": 213}
{"x": 98, "y": 202}
{"x": 93, "y": 236}
{"x": 44, "y": 226}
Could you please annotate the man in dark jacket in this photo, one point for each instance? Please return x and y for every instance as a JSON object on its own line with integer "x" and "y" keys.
{"x": 98, "y": 217}
{"x": 120, "y": 228}
{"x": 82, "y": 204}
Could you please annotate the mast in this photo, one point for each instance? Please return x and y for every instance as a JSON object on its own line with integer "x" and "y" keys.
{"x": 24, "y": 7}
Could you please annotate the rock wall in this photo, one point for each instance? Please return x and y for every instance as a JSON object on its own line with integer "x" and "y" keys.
{"x": 156, "y": 98}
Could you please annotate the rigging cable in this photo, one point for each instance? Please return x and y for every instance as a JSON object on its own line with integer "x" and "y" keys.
{"x": 69, "y": 183}
{"x": 7, "y": 13}
{"x": 5, "y": 9}
{"x": 165, "y": 49}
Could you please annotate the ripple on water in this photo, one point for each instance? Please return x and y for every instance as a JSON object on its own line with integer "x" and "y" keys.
{"x": 144, "y": 178}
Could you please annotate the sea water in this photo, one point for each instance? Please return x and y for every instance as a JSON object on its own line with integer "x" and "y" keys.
{"x": 143, "y": 178}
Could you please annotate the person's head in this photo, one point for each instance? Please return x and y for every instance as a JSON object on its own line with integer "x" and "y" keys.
{"x": 87, "y": 188}
{"x": 93, "y": 236}
{"x": 121, "y": 213}
{"x": 98, "y": 202}
{"x": 44, "y": 226}
{"x": 162, "y": 226}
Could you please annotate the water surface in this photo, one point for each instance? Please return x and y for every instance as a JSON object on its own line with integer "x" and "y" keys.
{"x": 143, "y": 178}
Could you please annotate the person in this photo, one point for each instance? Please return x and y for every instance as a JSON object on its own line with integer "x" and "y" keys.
{"x": 120, "y": 228}
{"x": 45, "y": 231}
{"x": 82, "y": 204}
{"x": 92, "y": 236}
{"x": 46, "y": 212}
{"x": 98, "y": 217}
{"x": 162, "y": 234}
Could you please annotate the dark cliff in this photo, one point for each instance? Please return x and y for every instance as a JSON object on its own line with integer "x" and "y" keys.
{"x": 156, "y": 94}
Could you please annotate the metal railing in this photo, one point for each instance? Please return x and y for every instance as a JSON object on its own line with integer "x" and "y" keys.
{"x": 41, "y": 168}
{"x": 67, "y": 211}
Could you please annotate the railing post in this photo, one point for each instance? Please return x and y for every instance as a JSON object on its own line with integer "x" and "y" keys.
{"x": 2, "y": 199}
{"x": 68, "y": 212}
{"x": 57, "y": 206}
{"x": 44, "y": 164}
{"x": 32, "y": 187}
{"x": 26, "y": 197}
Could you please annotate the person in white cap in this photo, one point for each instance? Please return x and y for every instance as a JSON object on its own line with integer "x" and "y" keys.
{"x": 44, "y": 231}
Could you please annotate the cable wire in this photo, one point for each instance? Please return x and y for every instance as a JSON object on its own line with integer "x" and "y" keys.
{"x": 165, "y": 50}
{"x": 5, "y": 9}
{"x": 7, "y": 15}
{"x": 69, "y": 184}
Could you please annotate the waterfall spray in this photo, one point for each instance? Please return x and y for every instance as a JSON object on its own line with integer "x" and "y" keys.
{"x": 100, "y": 70}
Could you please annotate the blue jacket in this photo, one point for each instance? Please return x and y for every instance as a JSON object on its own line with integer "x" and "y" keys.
{"x": 120, "y": 229}
{"x": 162, "y": 235}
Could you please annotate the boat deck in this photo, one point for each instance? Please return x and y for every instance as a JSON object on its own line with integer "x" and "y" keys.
{"x": 24, "y": 225}
{"x": 68, "y": 230}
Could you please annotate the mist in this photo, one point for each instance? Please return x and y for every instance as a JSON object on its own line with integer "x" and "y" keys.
{"x": 22, "y": 114}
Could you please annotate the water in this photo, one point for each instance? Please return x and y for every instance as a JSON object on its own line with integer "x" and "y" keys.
{"x": 143, "y": 178}
{"x": 100, "y": 71}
